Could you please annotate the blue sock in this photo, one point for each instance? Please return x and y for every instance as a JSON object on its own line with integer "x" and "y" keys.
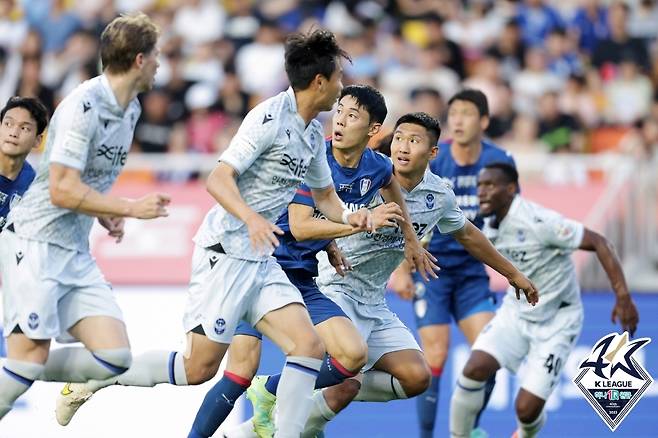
{"x": 331, "y": 373}
{"x": 488, "y": 389}
{"x": 426, "y": 404}
{"x": 217, "y": 404}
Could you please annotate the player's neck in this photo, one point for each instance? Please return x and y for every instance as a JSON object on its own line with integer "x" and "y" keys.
{"x": 348, "y": 157}
{"x": 123, "y": 87}
{"x": 10, "y": 167}
{"x": 409, "y": 181}
{"x": 501, "y": 214}
{"x": 306, "y": 106}
{"x": 466, "y": 154}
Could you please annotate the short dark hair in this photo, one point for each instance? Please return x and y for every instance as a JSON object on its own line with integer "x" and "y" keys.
{"x": 368, "y": 98}
{"x": 476, "y": 97}
{"x": 34, "y": 106}
{"x": 383, "y": 146}
{"x": 426, "y": 121}
{"x": 310, "y": 54}
{"x": 509, "y": 172}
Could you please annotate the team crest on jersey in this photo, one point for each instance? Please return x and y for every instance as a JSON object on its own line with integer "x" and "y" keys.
{"x": 3, "y": 198}
{"x": 429, "y": 201}
{"x": 33, "y": 321}
{"x": 520, "y": 235}
{"x": 365, "y": 185}
{"x": 611, "y": 379}
{"x": 220, "y": 326}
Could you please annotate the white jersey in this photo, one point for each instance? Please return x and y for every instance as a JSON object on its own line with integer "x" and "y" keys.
{"x": 273, "y": 153}
{"x": 374, "y": 256}
{"x": 89, "y": 132}
{"x": 539, "y": 242}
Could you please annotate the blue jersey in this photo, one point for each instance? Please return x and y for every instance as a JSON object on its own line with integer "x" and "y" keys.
{"x": 12, "y": 191}
{"x": 356, "y": 187}
{"x": 452, "y": 256}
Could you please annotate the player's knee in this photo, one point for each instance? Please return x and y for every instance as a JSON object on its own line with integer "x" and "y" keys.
{"x": 416, "y": 379}
{"x": 527, "y": 412}
{"x": 476, "y": 370}
{"x": 115, "y": 361}
{"x": 436, "y": 355}
{"x": 342, "y": 394}
{"x": 352, "y": 354}
{"x": 308, "y": 345}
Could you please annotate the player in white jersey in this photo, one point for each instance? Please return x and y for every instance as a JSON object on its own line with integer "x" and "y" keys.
{"x": 539, "y": 242}
{"x": 234, "y": 276}
{"x": 52, "y": 285}
{"x": 396, "y": 367}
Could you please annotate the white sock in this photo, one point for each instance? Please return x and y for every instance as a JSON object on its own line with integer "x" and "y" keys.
{"x": 294, "y": 395}
{"x": 467, "y": 400}
{"x": 16, "y": 377}
{"x": 148, "y": 370}
{"x": 378, "y": 386}
{"x": 529, "y": 430}
{"x": 320, "y": 415}
{"x": 242, "y": 430}
{"x": 77, "y": 364}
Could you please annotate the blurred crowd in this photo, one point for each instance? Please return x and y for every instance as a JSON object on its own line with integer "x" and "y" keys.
{"x": 561, "y": 76}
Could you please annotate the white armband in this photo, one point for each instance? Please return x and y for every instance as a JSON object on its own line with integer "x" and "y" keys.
{"x": 346, "y": 213}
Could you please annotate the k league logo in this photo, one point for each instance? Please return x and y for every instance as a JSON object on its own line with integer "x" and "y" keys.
{"x": 611, "y": 379}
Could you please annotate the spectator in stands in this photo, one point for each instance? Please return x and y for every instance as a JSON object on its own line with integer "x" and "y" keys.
{"x": 199, "y": 22}
{"x": 560, "y": 132}
{"x": 54, "y": 22}
{"x": 590, "y": 25}
{"x": 427, "y": 100}
{"x": 536, "y": 19}
{"x": 641, "y": 141}
{"x": 533, "y": 81}
{"x": 501, "y": 122}
{"x": 563, "y": 60}
{"x": 643, "y": 20}
{"x": 578, "y": 101}
{"x": 155, "y": 125}
{"x": 451, "y": 52}
{"x": 628, "y": 95}
{"x": 509, "y": 50}
{"x": 610, "y": 51}
{"x": 205, "y": 121}
{"x": 12, "y": 28}
{"x": 486, "y": 77}
{"x": 475, "y": 28}
{"x": 30, "y": 85}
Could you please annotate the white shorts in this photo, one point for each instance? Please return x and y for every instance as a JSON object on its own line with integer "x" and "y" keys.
{"x": 47, "y": 288}
{"x": 544, "y": 345}
{"x": 379, "y": 327}
{"x": 224, "y": 290}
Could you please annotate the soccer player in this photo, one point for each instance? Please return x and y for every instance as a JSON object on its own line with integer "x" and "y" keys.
{"x": 278, "y": 146}
{"x": 52, "y": 285}
{"x": 462, "y": 290}
{"x": 396, "y": 367}
{"x": 23, "y": 121}
{"x": 539, "y": 242}
{"x": 359, "y": 175}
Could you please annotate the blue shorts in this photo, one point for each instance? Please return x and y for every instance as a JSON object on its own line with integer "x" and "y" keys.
{"x": 451, "y": 297}
{"x": 320, "y": 308}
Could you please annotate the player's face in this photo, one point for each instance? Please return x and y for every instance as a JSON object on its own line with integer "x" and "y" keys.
{"x": 331, "y": 89}
{"x": 410, "y": 149}
{"x": 150, "y": 66}
{"x": 18, "y": 133}
{"x": 493, "y": 191}
{"x": 351, "y": 124}
{"x": 464, "y": 122}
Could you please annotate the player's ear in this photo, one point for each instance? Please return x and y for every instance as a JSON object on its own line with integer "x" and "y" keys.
{"x": 433, "y": 151}
{"x": 319, "y": 82}
{"x": 37, "y": 141}
{"x": 374, "y": 129}
{"x": 139, "y": 60}
{"x": 484, "y": 123}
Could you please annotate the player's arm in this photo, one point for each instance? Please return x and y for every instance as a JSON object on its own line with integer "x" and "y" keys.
{"x": 418, "y": 257}
{"x": 476, "y": 243}
{"x": 328, "y": 202}
{"x": 222, "y": 185}
{"x": 624, "y": 308}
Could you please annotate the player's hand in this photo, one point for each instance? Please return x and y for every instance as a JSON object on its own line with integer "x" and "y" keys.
{"x": 626, "y": 312}
{"x": 337, "y": 259}
{"x": 520, "y": 283}
{"x": 402, "y": 283}
{"x": 151, "y": 206}
{"x": 386, "y": 215}
{"x": 420, "y": 260}
{"x": 262, "y": 234}
{"x": 361, "y": 219}
{"x": 114, "y": 226}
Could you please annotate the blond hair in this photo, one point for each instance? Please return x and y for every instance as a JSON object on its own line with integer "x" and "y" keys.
{"x": 124, "y": 38}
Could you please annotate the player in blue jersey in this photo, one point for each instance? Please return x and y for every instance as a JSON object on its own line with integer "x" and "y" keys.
{"x": 23, "y": 120}
{"x": 462, "y": 290}
{"x": 359, "y": 175}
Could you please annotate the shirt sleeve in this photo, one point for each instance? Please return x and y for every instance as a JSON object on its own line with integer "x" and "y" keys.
{"x": 74, "y": 131}
{"x": 255, "y": 135}
{"x": 453, "y": 218}
{"x": 303, "y": 196}
{"x": 561, "y": 232}
{"x": 318, "y": 175}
